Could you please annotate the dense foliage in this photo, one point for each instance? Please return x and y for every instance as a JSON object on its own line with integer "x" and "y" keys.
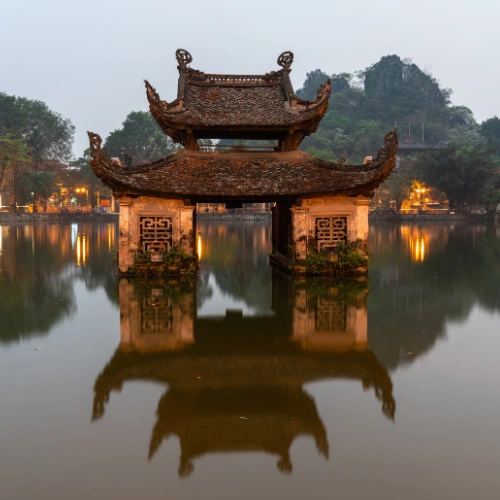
{"x": 140, "y": 138}
{"x": 464, "y": 174}
{"x": 365, "y": 105}
{"x": 46, "y": 134}
{"x": 393, "y": 92}
{"x": 29, "y": 184}
{"x": 32, "y": 138}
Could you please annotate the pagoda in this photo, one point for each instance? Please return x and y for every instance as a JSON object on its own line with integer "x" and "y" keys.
{"x": 317, "y": 204}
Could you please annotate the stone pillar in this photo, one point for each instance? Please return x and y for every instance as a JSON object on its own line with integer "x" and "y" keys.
{"x": 317, "y": 320}
{"x": 185, "y": 313}
{"x": 274, "y": 228}
{"x": 149, "y": 334}
{"x": 125, "y": 294}
{"x": 188, "y": 229}
{"x": 357, "y": 324}
{"x": 282, "y": 228}
{"x": 299, "y": 231}
{"x": 361, "y": 215}
{"x": 300, "y": 319}
{"x": 125, "y": 252}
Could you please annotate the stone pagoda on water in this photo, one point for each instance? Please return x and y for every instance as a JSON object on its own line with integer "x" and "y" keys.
{"x": 320, "y": 212}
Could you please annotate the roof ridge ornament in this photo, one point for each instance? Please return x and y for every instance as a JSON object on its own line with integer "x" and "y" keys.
{"x": 285, "y": 60}
{"x": 152, "y": 94}
{"x": 183, "y": 58}
{"x": 97, "y": 152}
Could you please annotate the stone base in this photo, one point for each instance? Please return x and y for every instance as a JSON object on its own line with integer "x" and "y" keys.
{"x": 184, "y": 266}
{"x": 150, "y": 226}
{"x": 300, "y": 268}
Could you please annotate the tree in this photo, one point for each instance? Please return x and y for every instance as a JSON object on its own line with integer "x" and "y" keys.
{"x": 30, "y": 185}
{"x": 464, "y": 136}
{"x": 461, "y": 116}
{"x": 490, "y": 129}
{"x": 334, "y": 141}
{"x": 47, "y": 134}
{"x": 397, "y": 187}
{"x": 312, "y": 83}
{"x": 83, "y": 176}
{"x": 465, "y": 174}
{"x": 140, "y": 138}
{"x": 13, "y": 152}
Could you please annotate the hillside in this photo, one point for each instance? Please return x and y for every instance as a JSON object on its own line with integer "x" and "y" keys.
{"x": 365, "y": 105}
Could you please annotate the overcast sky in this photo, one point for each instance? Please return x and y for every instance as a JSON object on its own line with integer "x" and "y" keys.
{"x": 87, "y": 59}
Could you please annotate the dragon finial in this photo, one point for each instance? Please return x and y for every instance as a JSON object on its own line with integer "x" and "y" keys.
{"x": 285, "y": 59}
{"x": 99, "y": 155}
{"x": 183, "y": 58}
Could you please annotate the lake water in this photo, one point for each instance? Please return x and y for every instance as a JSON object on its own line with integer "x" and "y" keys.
{"x": 247, "y": 384}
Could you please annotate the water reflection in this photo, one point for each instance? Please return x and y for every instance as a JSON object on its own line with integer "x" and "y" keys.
{"x": 420, "y": 240}
{"x": 39, "y": 266}
{"x": 227, "y": 367}
{"x": 235, "y": 383}
{"x": 234, "y": 267}
{"x": 423, "y": 277}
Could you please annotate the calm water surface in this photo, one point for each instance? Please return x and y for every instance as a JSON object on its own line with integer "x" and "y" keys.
{"x": 247, "y": 384}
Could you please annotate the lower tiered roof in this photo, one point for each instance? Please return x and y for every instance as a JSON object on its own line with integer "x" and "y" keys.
{"x": 249, "y": 176}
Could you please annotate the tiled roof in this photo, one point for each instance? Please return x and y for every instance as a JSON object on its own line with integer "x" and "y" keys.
{"x": 207, "y": 103}
{"x": 243, "y": 175}
{"x": 242, "y": 106}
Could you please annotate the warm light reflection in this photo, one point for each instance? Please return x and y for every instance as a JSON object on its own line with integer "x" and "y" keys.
{"x": 199, "y": 246}
{"x": 110, "y": 237}
{"x": 81, "y": 249}
{"x": 421, "y": 240}
{"x": 417, "y": 241}
{"x": 417, "y": 249}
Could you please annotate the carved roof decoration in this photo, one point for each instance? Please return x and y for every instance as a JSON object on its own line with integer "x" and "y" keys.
{"x": 237, "y": 106}
{"x": 248, "y": 176}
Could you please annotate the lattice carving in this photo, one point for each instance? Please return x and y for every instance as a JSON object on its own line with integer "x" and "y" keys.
{"x": 331, "y": 315}
{"x": 329, "y": 231}
{"x": 156, "y": 233}
{"x": 156, "y": 315}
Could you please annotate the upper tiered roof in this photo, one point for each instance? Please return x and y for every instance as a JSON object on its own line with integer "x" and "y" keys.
{"x": 237, "y": 106}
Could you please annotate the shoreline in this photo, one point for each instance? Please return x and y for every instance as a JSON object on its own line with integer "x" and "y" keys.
{"x": 13, "y": 218}
{"x": 486, "y": 218}
{"x": 226, "y": 216}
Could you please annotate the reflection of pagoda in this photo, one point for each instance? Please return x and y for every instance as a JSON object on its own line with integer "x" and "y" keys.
{"x": 256, "y": 418}
{"x": 236, "y": 383}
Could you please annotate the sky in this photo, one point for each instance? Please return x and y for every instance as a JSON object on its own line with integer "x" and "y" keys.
{"x": 87, "y": 60}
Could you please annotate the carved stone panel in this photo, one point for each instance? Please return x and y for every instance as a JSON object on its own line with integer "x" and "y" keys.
{"x": 156, "y": 233}
{"x": 156, "y": 314}
{"x": 329, "y": 231}
{"x": 331, "y": 315}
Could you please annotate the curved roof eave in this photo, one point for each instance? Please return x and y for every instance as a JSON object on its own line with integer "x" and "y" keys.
{"x": 243, "y": 175}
